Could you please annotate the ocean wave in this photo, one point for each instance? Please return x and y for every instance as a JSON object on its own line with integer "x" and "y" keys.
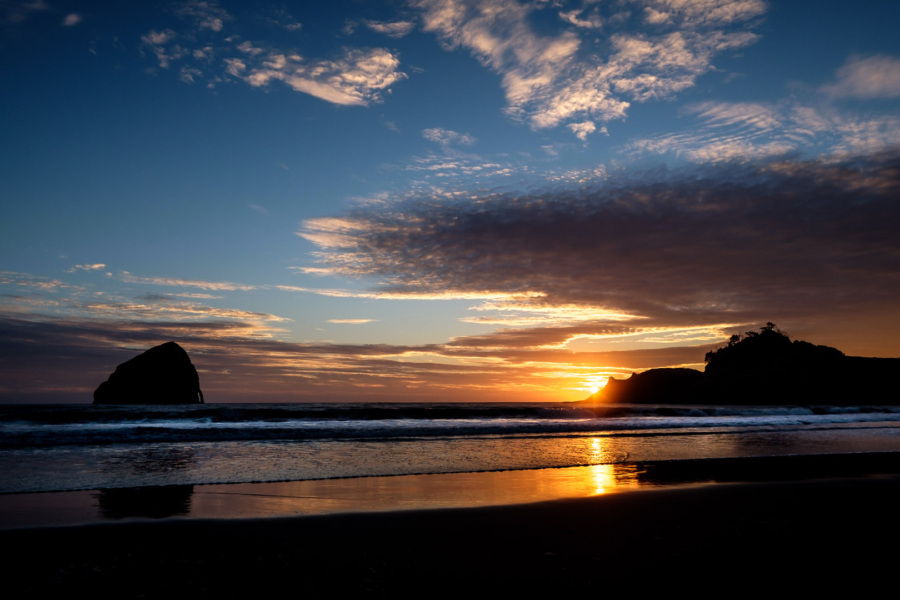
{"x": 22, "y": 433}
{"x": 275, "y": 413}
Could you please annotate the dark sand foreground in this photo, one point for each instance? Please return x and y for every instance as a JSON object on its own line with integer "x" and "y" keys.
{"x": 721, "y": 539}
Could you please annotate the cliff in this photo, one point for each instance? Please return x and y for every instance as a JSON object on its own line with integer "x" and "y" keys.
{"x": 163, "y": 374}
{"x": 764, "y": 367}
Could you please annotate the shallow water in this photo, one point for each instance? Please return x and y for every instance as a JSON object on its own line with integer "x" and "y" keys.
{"x": 54, "y": 448}
{"x": 417, "y": 492}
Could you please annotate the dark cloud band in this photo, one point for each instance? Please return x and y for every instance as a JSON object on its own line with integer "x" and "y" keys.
{"x": 694, "y": 245}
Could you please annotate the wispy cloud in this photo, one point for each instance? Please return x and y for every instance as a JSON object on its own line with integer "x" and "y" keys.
{"x": 174, "y": 282}
{"x": 867, "y": 78}
{"x": 162, "y": 45}
{"x": 260, "y": 209}
{"x": 197, "y": 296}
{"x": 32, "y": 281}
{"x": 702, "y": 12}
{"x": 445, "y": 137}
{"x": 72, "y": 19}
{"x": 17, "y": 11}
{"x": 87, "y": 267}
{"x": 411, "y": 295}
{"x": 160, "y": 308}
{"x": 750, "y": 130}
{"x": 585, "y": 16}
{"x": 355, "y": 77}
{"x": 394, "y": 29}
{"x": 814, "y": 122}
{"x": 351, "y": 321}
{"x": 207, "y": 14}
{"x": 550, "y": 80}
{"x": 583, "y": 130}
{"x": 237, "y": 364}
{"x": 282, "y": 19}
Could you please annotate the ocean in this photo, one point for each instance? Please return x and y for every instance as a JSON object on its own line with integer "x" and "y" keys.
{"x": 77, "y": 447}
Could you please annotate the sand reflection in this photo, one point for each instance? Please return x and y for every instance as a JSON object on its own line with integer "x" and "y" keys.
{"x": 147, "y": 503}
{"x": 410, "y": 491}
{"x": 406, "y": 492}
{"x": 150, "y": 460}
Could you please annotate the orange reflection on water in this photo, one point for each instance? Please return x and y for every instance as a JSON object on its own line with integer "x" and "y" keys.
{"x": 295, "y": 498}
{"x": 403, "y": 492}
{"x": 361, "y": 494}
{"x": 614, "y": 475}
{"x": 604, "y": 478}
{"x": 424, "y": 491}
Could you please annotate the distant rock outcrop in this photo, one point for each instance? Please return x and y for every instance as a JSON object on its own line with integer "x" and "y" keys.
{"x": 163, "y": 374}
{"x": 764, "y": 367}
{"x": 655, "y": 385}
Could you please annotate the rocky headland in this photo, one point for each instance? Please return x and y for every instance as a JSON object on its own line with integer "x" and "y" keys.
{"x": 764, "y": 368}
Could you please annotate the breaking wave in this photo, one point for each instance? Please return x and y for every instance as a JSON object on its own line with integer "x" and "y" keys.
{"x": 47, "y": 426}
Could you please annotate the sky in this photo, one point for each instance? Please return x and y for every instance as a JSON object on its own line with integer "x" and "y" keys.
{"x": 440, "y": 200}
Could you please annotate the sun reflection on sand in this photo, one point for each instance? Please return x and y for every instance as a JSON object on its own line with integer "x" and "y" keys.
{"x": 605, "y": 478}
{"x": 603, "y": 475}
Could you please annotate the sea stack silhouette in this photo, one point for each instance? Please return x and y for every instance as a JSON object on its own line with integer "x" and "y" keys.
{"x": 163, "y": 374}
{"x": 764, "y": 368}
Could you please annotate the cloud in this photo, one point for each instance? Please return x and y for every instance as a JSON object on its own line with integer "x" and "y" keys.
{"x": 15, "y": 12}
{"x": 173, "y": 282}
{"x": 32, "y": 281}
{"x": 395, "y": 29}
{"x": 282, "y": 19}
{"x": 87, "y": 267}
{"x": 750, "y": 130}
{"x": 197, "y": 296}
{"x": 590, "y": 21}
{"x": 160, "y": 43}
{"x": 153, "y": 297}
{"x": 703, "y": 12}
{"x": 260, "y": 209}
{"x": 187, "y": 74}
{"x": 446, "y": 137}
{"x": 582, "y": 130}
{"x": 72, "y": 19}
{"x": 237, "y": 364}
{"x": 356, "y": 79}
{"x": 394, "y": 295}
{"x": 704, "y": 245}
{"x": 351, "y": 321}
{"x": 868, "y": 78}
{"x": 452, "y": 166}
{"x": 207, "y": 14}
{"x": 162, "y": 307}
{"x": 550, "y": 80}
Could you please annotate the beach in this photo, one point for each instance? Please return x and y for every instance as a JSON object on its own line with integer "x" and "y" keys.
{"x": 437, "y": 500}
{"x": 810, "y": 526}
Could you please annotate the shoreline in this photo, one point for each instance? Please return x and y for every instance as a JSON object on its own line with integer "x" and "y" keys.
{"x": 382, "y": 494}
{"x": 815, "y": 533}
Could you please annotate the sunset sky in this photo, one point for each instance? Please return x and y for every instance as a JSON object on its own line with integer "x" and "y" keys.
{"x": 440, "y": 200}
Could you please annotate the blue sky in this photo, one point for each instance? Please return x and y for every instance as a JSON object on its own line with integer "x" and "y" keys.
{"x": 505, "y": 189}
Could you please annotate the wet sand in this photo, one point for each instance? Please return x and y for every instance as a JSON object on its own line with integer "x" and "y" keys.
{"x": 417, "y": 492}
{"x": 709, "y": 539}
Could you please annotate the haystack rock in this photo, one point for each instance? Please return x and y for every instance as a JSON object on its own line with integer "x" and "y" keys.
{"x": 163, "y": 374}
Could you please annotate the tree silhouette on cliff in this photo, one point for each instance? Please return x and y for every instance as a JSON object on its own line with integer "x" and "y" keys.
{"x": 767, "y": 348}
